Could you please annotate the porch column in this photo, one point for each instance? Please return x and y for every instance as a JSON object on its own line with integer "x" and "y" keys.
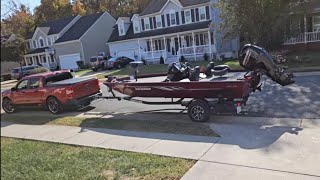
{"x": 210, "y": 45}
{"x": 48, "y": 59}
{"x": 179, "y": 54}
{"x": 32, "y": 60}
{"x": 25, "y": 60}
{"x": 305, "y": 28}
{"x": 194, "y": 47}
{"x": 165, "y": 48}
{"x": 151, "y": 44}
{"x": 139, "y": 49}
{"x": 39, "y": 59}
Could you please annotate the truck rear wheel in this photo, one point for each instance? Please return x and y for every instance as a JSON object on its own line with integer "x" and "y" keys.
{"x": 54, "y": 106}
{"x": 199, "y": 111}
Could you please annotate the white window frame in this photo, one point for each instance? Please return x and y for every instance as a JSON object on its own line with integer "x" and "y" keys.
{"x": 28, "y": 44}
{"x": 186, "y": 17}
{"x": 136, "y": 25}
{"x": 146, "y": 22}
{"x": 173, "y": 14}
{"x": 159, "y": 20}
{"x": 34, "y": 44}
{"x": 49, "y": 39}
{"x": 316, "y": 27}
{"x": 121, "y": 29}
{"x": 202, "y": 13}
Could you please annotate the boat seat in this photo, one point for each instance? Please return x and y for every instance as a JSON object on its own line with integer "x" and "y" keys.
{"x": 209, "y": 69}
{"x": 195, "y": 74}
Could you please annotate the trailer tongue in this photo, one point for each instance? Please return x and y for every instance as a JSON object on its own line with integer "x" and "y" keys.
{"x": 217, "y": 85}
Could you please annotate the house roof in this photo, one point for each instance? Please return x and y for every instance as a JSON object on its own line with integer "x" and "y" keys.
{"x": 310, "y": 7}
{"x": 156, "y": 5}
{"x": 169, "y": 30}
{"x": 53, "y": 27}
{"x": 79, "y": 28}
{"x": 38, "y": 50}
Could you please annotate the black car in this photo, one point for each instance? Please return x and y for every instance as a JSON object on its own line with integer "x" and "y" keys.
{"x": 119, "y": 62}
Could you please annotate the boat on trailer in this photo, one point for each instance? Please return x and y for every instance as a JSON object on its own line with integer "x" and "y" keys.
{"x": 200, "y": 91}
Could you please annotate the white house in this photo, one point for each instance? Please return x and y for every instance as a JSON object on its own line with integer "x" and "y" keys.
{"x": 171, "y": 29}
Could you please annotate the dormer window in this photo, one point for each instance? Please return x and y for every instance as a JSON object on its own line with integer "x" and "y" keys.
{"x": 159, "y": 21}
{"x": 41, "y": 42}
{"x": 173, "y": 20}
{"x": 202, "y": 12}
{"x": 121, "y": 29}
{"x": 146, "y": 23}
{"x": 34, "y": 44}
{"x": 49, "y": 41}
{"x": 136, "y": 26}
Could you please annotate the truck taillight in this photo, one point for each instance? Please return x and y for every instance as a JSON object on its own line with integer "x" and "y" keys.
{"x": 69, "y": 92}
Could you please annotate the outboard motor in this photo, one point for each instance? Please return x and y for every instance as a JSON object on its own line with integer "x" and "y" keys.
{"x": 254, "y": 58}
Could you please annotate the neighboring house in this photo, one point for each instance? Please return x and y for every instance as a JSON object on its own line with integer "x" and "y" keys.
{"x": 171, "y": 29}
{"x": 303, "y": 28}
{"x": 8, "y": 38}
{"x": 65, "y": 41}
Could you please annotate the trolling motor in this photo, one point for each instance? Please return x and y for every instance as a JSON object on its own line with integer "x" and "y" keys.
{"x": 254, "y": 58}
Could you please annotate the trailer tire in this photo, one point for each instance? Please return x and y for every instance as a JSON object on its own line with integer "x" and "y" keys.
{"x": 199, "y": 111}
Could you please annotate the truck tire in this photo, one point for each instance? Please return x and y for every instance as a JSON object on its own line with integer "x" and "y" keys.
{"x": 54, "y": 106}
{"x": 8, "y": 106}
{"x": 199, "y": 111}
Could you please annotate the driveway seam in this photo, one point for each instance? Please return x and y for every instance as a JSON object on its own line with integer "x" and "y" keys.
{"x": 145, "y": 149}
{"x": 260, "y": 168}
{"x": 218, "y": 139}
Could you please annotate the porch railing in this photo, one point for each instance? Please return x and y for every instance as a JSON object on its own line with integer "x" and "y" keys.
{"x": 153, "y": 54}
{"x": 304, "y": 38}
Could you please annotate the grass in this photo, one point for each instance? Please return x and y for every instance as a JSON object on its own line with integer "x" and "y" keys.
{"x": 302, "y": 60}
{"x": 174, "y": 127}
{"x": 23, "y": 159}
{"x": 82, "y": 72}
{"x": 163, "y": 68}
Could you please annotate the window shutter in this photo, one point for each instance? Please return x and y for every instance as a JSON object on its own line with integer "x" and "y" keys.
{"x": 142, "y": 24}
{"x": 151, "y": 24}
{"x": 178, "y": 18}
{"x": 208, "y": 12}
{"x": 163, "y": 21}
{"x": 168, "y": 19}
{"x": 192, "y": 15}
{"x": 197, "y": 14}
{"x": 154, "y": 22}
{"x": 183, "y": 18}
{"x": 148, "y": 45}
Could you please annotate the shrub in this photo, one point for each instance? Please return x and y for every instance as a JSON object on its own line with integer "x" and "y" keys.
{"x": 39, "y": 70}
{"x": 206, "y": 57}
{"x": 81, "y": 65}
{"x": 144, "y": 61}
{"x": 5, "y": 77}
{"x": 182, "y": 59}
{"x": 161, "y": 60}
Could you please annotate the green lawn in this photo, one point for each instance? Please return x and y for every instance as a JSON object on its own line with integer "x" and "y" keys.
{"x": 174, "y": 127}
{"x": 82, "y": 72}
{"x": 163, "y": 68}
{"x": 301, "y": 60}
{"x": 23, "y": 159}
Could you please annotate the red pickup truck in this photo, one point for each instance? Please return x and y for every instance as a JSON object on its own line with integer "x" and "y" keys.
{"x": 54, "y": 90}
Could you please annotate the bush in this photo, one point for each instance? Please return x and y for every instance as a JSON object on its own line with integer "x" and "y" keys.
{"x": 161, "y": 60}
{"x": 81, "y": 65}
{"x": 39, "y": 70}
{"x": 182, "y": 59}
{"x": 5, "y": 77}
{"x": 206, "y": 57}
{"x": 144, "y": 62}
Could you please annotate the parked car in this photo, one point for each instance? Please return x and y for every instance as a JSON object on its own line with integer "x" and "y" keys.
{"x": 119, "y": 62}
{"x": 20, "y": 72}
{"x": 54, "y": 90}
{"x": 98, "y": 62}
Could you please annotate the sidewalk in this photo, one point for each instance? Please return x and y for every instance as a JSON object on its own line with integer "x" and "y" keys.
{"x": 266, "y": 148}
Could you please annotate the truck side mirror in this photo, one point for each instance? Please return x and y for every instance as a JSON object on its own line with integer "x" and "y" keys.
{"x": 13, "y": 89}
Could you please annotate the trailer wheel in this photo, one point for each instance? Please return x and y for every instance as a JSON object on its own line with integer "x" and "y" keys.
{"x": 199, "y": 111}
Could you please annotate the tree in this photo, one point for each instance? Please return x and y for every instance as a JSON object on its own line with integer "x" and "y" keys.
{"x": 52, "y": 10}
{"x": 260, "y": 22}
{"x": 13, "y": 51}
{"x": 20, "y": 22}
{"x": 78, "y": 8}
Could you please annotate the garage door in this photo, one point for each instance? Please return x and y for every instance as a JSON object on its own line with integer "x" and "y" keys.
{"x": 69, "y": 62}
{"x": 127, "y": 53}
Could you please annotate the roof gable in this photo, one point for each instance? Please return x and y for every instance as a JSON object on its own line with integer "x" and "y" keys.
{"x": 79, "y": 28}
{"x": 156, "y": 6}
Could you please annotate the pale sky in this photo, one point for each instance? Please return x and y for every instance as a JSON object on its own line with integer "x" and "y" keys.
{"x": 5, "y": 5}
